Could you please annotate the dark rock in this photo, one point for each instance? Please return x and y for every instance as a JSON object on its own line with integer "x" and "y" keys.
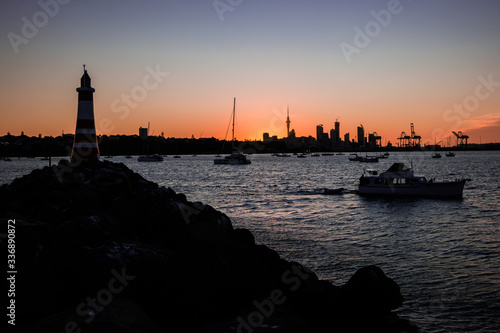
{"x": 151, "y": 261}
{"x": 369, "y": 290}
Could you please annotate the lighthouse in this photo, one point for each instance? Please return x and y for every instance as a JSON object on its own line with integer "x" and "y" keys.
{"x": 85, "y": 146}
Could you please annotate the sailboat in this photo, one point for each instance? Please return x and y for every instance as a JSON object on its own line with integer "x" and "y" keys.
{"x": 236, "y": 157}
{"x": 149, "y": 158}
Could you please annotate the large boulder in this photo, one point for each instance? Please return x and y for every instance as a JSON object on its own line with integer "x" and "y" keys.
{"x": 101, "y": 249}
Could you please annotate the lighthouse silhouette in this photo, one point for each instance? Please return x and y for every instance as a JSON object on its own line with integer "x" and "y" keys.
{"x": 85, "y": 146}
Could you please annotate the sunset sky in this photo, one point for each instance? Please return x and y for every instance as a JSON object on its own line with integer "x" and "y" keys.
{"x": 179, "y": 64}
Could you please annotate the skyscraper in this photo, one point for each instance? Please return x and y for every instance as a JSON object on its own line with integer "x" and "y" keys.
{"x": 361, "y": 135}
{"x": 85, "y": 146}
{"x": 337, "y": 131}
{"x": 319, "y": 132}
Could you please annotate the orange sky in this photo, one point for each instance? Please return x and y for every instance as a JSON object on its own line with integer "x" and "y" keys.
{"x": 430, "y": 58}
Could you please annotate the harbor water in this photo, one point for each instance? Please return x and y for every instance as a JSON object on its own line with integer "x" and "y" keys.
{"x": 444, "y": 253}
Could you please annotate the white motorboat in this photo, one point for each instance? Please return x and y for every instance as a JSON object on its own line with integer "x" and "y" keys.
{"x": 400, "y": 180}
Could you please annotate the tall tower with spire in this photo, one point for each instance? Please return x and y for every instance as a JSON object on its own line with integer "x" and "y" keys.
{"x": 85, "y": 146}
{"x": 287, "y": 121}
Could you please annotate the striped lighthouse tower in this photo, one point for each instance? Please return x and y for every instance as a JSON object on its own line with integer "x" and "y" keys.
{"x": 85, "y": 146}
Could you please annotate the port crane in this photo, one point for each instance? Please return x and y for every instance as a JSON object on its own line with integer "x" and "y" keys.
{"x": 461, "y": 139}
{"x": 411, "y": 140}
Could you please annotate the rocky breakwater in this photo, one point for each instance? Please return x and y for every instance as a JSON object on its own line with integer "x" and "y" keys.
{"x": 101, "y": 249}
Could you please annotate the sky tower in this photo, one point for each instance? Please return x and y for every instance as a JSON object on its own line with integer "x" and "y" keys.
{"x": 85, "y": 146}
{"x": 287, "y": 121}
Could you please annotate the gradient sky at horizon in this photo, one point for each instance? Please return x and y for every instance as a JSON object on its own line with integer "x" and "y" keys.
{"x": 431, "y": 56}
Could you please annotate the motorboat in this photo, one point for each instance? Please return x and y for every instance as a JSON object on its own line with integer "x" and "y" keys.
{"x": 369, "y": 159}
{"x": 354, "y": 157}
{"x": 400, "y": 180}
{"x": 436, "y": 155}
{"x": 450, "y": 154}
{"x": 236, "y": 157}
{"x": 333, "y": 191}
{"x": 150, "y": 158}
{"x": 385, "y": 155}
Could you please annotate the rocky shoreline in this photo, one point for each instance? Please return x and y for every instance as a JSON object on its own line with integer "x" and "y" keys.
{"x": 101, "y": 249}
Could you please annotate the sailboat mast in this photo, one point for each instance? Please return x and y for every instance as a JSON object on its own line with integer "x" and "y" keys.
{"x": 234, "y": 108}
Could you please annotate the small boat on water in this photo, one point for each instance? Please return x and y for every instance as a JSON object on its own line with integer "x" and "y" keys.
{"x": 369, "y": 159}
{"x": 236, "y": 157}
{"x": 301, "y": 156}
{"x": 333, "y": 191}
{"x": 150, "y": 158}
{"x": 436, "y": 155}
{"x": 354, "y": 157}
{"x": 385, "y": 155}
{"x": 400, "y": 180}
{"x": 450, "y": 154}
{"x": 327, "y": 154}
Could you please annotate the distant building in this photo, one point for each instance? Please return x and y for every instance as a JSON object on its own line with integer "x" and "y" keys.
{"x": 347, "y": 139}
{"x": 361, "y": 135}
{"x": 319, "y": 132}
{"x": 292, "y": 134}
{"x": 265, "y": 137}
{"x": 143, "y": 133}
{"x": 333, "y": 135}
{"x": 274, "y": 138}
{"x": 337, "y": 131}
{"x": 371, "y": 140}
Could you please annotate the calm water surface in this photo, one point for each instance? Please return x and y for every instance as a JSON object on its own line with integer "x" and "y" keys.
{"x": 445, "y": 254}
